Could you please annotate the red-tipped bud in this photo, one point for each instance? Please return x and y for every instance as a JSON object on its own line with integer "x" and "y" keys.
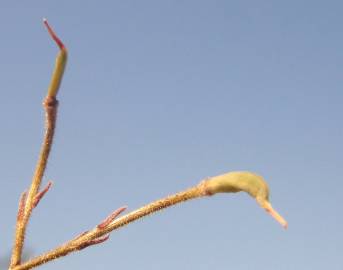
{"x": 111, "y": 217}
{"x": 53, "y": 35}
{"x": 94, "y": 242}
{"x": 21, "y": 208}
{"x": 41, "y": 194}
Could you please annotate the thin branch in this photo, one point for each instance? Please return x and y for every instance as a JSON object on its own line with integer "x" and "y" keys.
{"x": 80, "y": 241}
{"x": 253, "y": 184}
{"x": 50, "y": 105}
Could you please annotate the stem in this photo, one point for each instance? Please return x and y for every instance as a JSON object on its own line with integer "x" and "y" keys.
{"x": 232, "y": 182}
{"x": 50, "y": 105}
{"x": 51, "y": 110}
{"x": 96, "y": 233}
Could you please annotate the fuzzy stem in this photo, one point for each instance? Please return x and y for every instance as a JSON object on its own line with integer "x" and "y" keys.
{"x": 233, "y": 182}
{"x": 50, "y": 105}
{"x": 96, "y": 233}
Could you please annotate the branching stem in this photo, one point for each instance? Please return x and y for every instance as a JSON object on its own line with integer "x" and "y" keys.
{"x": 96, "y": 233}
{"x": 232, "y": 182}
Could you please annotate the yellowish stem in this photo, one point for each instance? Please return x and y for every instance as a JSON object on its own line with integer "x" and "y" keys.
{"x": 231, "y": 182}
{"x": 50, "y": 105}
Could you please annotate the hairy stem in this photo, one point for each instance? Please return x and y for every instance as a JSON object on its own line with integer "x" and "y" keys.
{"x": 96, "y": 233}
{"x": 232, "y": 182}
{"x": 51, "y": 109}
{"x": 50, "y": 105}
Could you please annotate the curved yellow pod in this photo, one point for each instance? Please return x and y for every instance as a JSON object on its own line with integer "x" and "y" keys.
{"x": 248, "y": 182}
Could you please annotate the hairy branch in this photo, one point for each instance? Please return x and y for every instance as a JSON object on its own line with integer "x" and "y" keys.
{"x": 251, "y": 183}
{"x": 50, "y": 105}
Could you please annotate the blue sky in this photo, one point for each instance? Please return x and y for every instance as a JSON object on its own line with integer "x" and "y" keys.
{"x": 161, "y": 94}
